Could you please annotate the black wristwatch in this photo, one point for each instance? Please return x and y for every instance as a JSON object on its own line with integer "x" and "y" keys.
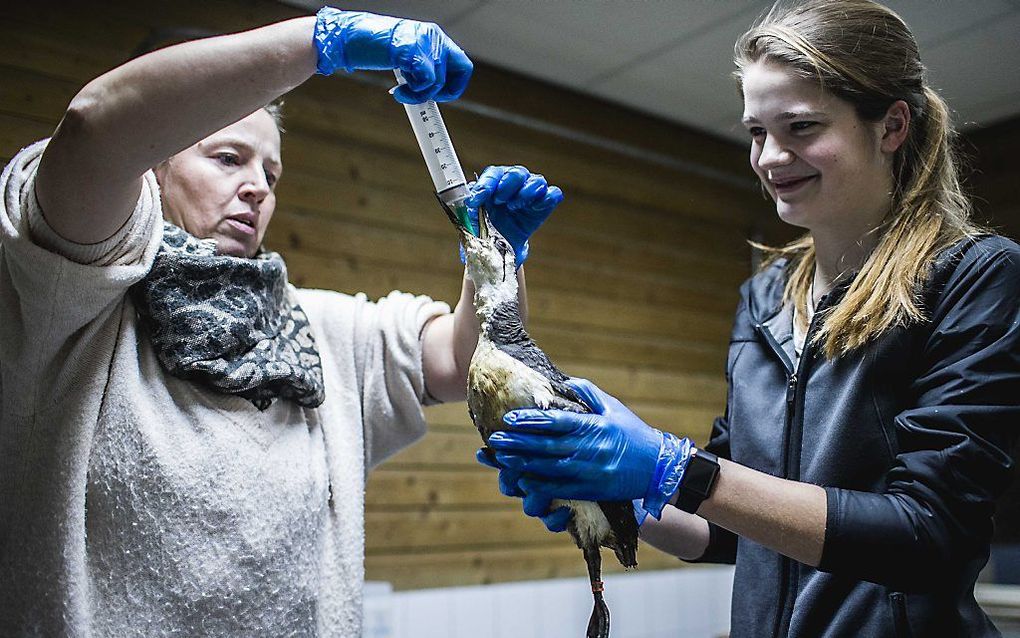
{"x": 699, "y": 479}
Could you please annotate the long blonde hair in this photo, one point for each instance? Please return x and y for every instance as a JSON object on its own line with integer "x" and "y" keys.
{"x": 864, "y": 54}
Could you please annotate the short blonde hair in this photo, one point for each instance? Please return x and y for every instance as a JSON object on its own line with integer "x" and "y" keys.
{"x": 275, "y": 110}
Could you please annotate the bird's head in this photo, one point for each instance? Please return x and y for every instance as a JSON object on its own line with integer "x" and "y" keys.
{"x": 490, "y": 261}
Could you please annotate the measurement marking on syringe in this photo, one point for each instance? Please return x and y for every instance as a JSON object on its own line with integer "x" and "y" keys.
{"x": 435, "y": 144}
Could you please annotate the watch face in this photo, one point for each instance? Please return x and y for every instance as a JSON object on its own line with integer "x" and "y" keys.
{"x": 698, "y": 481}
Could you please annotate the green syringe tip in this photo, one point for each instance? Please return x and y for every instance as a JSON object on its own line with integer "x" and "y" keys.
{"x": 468, "y": 224}
{"x": 464, "y": 218}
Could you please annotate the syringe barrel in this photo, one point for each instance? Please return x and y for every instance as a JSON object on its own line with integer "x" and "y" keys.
{"x": 434, "y": 142}
{"x": 436, "y": 147}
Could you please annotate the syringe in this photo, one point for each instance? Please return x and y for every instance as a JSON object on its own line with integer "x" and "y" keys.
{"x": 440, "y": 158}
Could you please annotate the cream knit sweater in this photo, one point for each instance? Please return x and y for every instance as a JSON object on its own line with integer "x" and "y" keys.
{"x": 133, "y": 503}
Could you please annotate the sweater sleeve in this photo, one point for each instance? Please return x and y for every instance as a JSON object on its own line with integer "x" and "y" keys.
{"x": 935, "y": 514}
{"x": 52, "y": 290}
{"x": 393, "y": 383}
{"x": 58, "y": 283}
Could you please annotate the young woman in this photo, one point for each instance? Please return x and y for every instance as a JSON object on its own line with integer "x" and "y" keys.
{"x": 874, "y": 364}
{"x": 184, "y": 435}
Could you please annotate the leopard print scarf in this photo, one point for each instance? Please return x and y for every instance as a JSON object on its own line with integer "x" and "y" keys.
{"x": 228, "y": 322}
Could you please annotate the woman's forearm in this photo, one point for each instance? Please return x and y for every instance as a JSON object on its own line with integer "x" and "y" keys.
{"x": 160, "y": 103}
{"x": 131, "y": 118}
{"x": 678, "y": 533}
{"x": 449, "y": 343}
{"x": 786, "y": 516}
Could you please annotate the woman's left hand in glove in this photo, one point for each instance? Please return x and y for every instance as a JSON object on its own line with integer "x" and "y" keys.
{"x": 517, "y": 202}
{"x": 608, "y": 455}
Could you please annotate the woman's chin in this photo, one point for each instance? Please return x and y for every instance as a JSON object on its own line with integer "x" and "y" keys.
{"x": 230, "y": 247}
{"x": 792, "y": 215}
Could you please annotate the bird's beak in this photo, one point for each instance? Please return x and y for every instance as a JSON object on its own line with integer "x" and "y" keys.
{"x": 484, "y": 225}
{"x": 458, "y": 216}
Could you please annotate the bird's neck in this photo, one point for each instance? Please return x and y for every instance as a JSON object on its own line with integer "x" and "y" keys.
{"x": 502, "y": 324}
{"x": 490, "y": 295}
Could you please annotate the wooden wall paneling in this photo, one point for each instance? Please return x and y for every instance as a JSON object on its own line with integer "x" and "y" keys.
{"x": 598, "y": 346}
{"x": 558, "y": 558}
{"x": 632, "y": 283}
{"x": 25, "y": 92}
{"x": 478, "y": 144}
{"x": 451, "y": 444}
{"x": 583, "y": 214}
{"x": 59, "y": 55}
{"x": 572, "y": 308}
{"x": 618, "y": 280}
{"x": 18, "y": 132}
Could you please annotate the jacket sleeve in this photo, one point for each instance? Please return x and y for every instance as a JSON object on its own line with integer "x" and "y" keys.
{"x": 935, "y": 515}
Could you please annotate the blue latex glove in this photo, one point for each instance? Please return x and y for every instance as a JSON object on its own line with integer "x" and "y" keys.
{"x": 433, "y": 65}
{"x": 536, "y": 504}
{"x": 610, "y": 455}
{"x": 517, "y": 202}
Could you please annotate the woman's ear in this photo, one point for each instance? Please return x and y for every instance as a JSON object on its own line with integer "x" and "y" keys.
{"x": 896, "y": 125}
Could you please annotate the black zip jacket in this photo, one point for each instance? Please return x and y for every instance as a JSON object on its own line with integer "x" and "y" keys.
{"x": 910, "y": 437}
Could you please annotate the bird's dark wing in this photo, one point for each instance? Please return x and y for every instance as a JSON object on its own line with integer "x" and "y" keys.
{"x": 507, "y": 332}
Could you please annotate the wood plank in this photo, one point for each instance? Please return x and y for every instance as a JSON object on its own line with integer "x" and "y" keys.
{"x": 433, "y": 488}
{"x": 347, "y": 192}
{"x": 18, "y": 132}
{"x": 444, "y": 569}
{"x": 76, "y": 60}
{"x": 27, "y": 94}
{"x": 576, "y": 232}
{"x": 79, "y": 26}
{"x": 429, "y": 530}
{"x": 401, "y": 533}
{"x": 632, "y": 182}
{"x": 411, "y": 479}
{"x": 370, "y": 230}
{"x": 618, "y": 274}
{"x": 651, "y": 351}
{"x": 582, "y": 212}
{"x": 511, "y": 91}
{"x": 695, "y": 422}
{"x": 481, "y": 141}
{"x": 564, "y": 308}
{"x": 120, "y": 20}
{"x": 455, "y": 413}
{"x": 446, "y": 446}
{"x": 122, "y": 30}
{"x": 632, "y": 384}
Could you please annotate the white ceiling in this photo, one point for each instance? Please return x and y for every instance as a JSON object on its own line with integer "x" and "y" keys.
{"x": 673, "y": 58}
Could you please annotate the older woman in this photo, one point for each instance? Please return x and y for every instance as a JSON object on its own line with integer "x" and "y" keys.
{"x": 184, "y": 435}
